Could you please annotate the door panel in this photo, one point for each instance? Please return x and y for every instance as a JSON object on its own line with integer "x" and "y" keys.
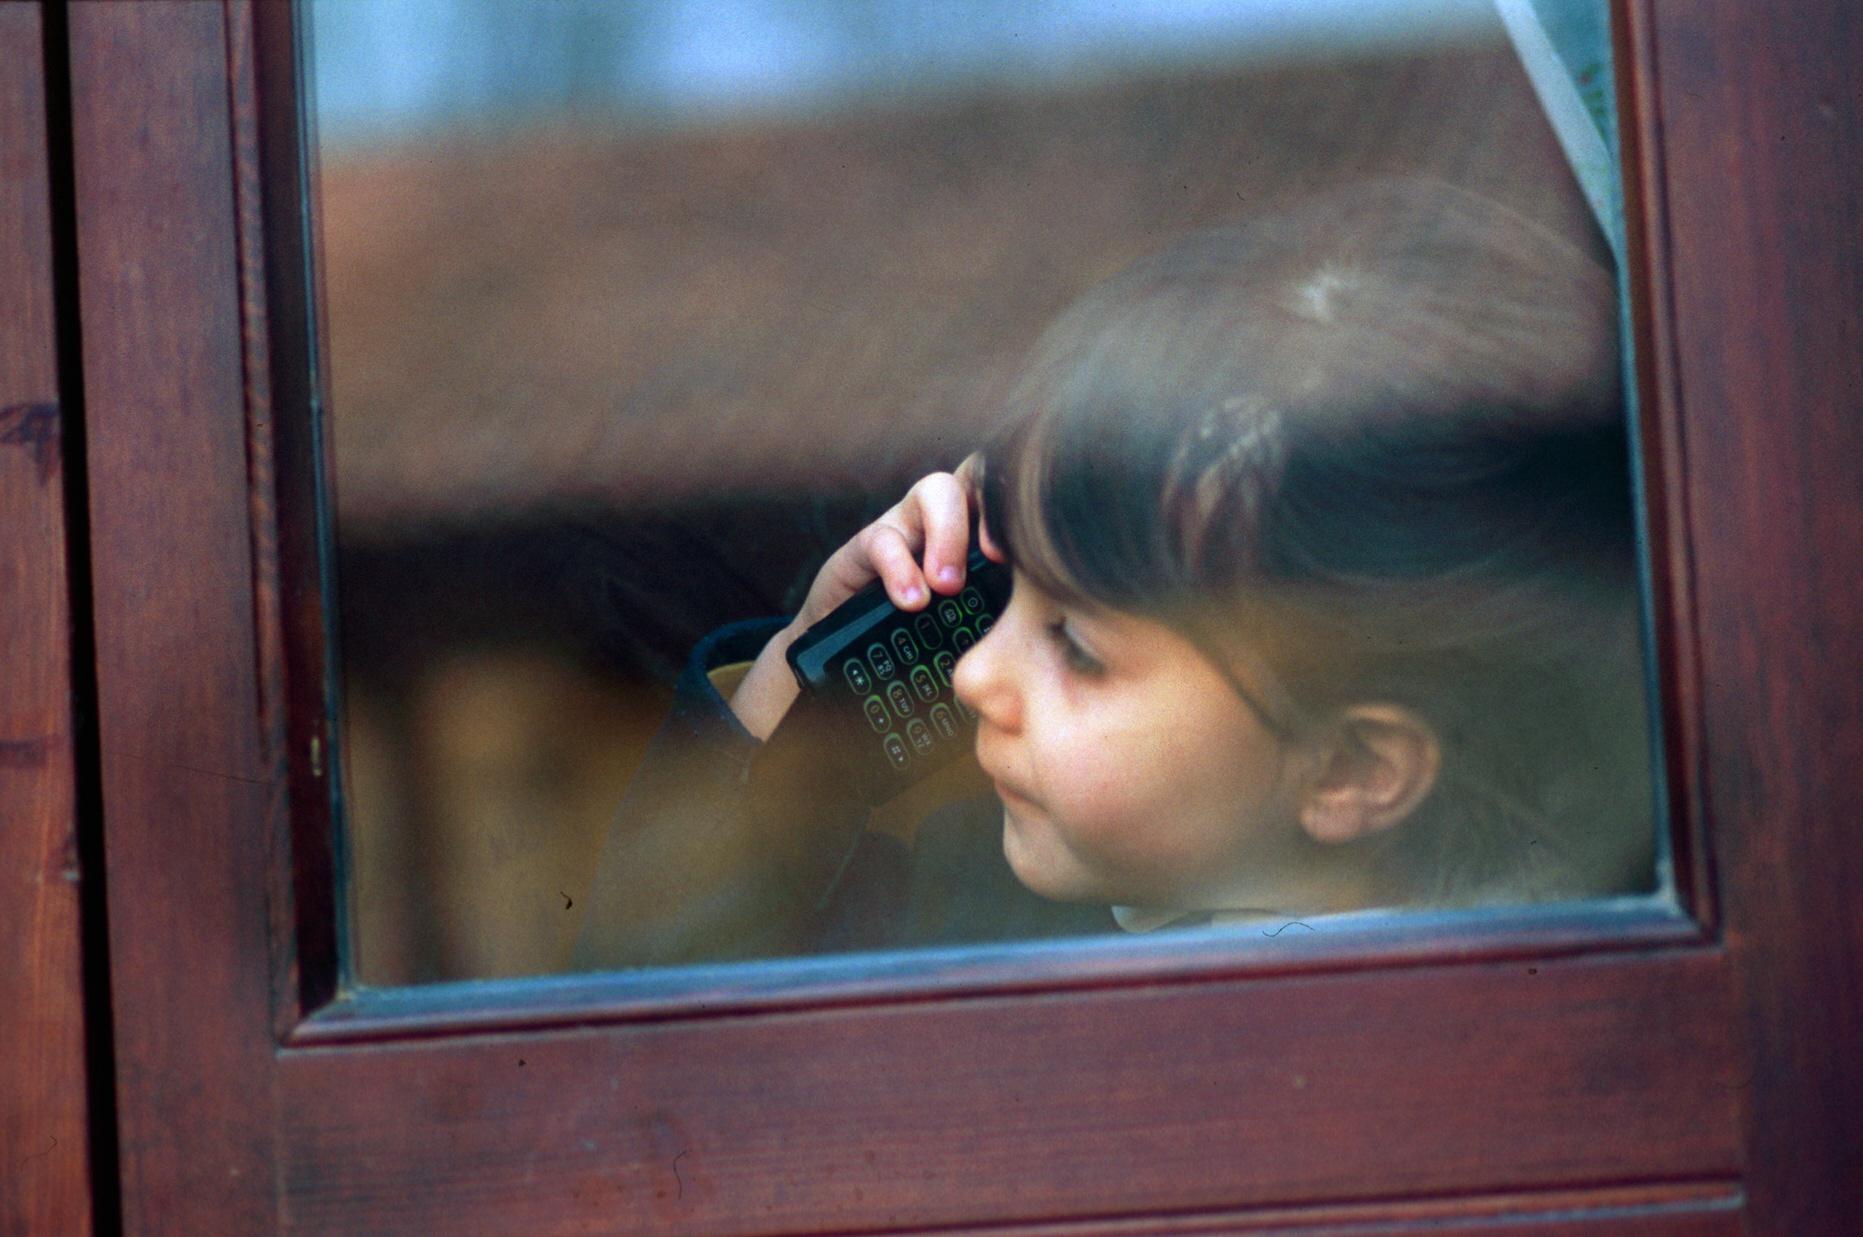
{"x": 1608, "y": 1075}
{"x": 1415, "y": 1081}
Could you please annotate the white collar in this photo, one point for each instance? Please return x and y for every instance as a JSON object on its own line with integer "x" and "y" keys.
{"x": 1146, "y": 918}
{"x": 1141, "y": 919}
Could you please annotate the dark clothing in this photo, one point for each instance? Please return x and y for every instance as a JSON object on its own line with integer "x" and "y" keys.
{"x": 699, "y": 866}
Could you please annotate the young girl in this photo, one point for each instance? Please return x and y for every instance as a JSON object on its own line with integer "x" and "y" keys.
{"x": 1325, "y": 599}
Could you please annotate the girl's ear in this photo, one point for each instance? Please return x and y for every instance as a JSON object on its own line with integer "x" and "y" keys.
{"x": 1377, "y": 766}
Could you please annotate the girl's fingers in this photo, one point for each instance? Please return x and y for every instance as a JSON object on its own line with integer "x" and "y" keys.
{"x": 890, "y": 553}
{"x": 943, "y": 513}
{"x": 931, "y": 524}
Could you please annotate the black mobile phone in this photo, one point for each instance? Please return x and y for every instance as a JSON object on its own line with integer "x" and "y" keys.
{"x": 883, "y": 676}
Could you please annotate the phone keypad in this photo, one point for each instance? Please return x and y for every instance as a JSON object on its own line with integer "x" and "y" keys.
{"x": 900, "y": 671}
{"x": 923, "y": 655}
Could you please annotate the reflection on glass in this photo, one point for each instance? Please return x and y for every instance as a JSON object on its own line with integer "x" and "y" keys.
{"x": 1277, "y": 344}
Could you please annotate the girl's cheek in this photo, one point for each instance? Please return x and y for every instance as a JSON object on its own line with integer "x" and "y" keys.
{"x": 1102, "y": 788}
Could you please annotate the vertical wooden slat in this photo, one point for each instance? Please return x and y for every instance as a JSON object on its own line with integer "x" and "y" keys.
{"x": 43, "y": 1123}
{"x": 188, "y": 787}
{"x": 1763, "y": 128}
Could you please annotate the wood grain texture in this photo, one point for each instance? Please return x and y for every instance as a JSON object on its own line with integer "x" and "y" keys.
{"x": 1272, "y": 1091}
{"x": 1762, "y": 124}
{"x": 43, "y": 1120}
{"x": 187, "y": 788}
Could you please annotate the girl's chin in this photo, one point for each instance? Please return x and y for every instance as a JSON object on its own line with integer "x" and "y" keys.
{"x": 1032, "y": 853}
{"x": 1019, "y": 850}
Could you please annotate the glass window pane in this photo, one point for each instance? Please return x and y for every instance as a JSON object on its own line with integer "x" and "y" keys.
{"x": 1279, "y": 343}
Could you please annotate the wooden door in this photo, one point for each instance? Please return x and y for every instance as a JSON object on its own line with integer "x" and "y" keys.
{"x": 1654, "y": 1068}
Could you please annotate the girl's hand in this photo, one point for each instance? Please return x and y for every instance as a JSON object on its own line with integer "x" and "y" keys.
{"x": 918, "y": 547}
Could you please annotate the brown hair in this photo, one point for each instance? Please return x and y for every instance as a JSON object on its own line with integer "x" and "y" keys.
{"x": 1376, "y": 442}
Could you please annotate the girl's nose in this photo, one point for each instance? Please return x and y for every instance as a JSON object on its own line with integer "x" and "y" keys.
{"x": 983, "y": 683}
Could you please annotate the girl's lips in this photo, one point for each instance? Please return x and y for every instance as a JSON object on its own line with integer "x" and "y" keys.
{"x": 1013, "y": 797}
{"x": 988, "y": 757}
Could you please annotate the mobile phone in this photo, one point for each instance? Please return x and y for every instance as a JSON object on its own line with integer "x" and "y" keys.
{"x": 882, "y": 677}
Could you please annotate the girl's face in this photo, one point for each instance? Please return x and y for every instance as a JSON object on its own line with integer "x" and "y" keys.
{"x": 1129, "y": 769}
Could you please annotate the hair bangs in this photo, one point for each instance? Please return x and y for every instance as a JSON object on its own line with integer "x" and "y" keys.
{"x": 1092, "y": 499}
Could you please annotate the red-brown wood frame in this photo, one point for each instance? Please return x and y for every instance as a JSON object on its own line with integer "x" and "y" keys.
{"x": 44, "y": 1124}
{"x": 1634, "y": 1067}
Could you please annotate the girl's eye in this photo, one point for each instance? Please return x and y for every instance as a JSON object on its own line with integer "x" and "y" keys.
{"x": 1072, "y": 653}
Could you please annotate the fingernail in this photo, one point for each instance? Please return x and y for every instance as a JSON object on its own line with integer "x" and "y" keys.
{"x": 947, "y": 575}
{"x": 911, "y": 593}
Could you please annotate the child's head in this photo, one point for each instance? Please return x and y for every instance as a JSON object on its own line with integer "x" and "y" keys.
{"x": 1359, "y": 473}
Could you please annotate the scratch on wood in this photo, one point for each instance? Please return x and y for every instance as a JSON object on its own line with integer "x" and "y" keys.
{"x": 230, "y": 777}
{"x": 22, "y": 753}
{"x": 35, "y": 427}
{"x": 188, "y": 768}
{"x": 1292, "y": 923}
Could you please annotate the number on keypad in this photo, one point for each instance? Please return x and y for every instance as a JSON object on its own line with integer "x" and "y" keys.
{"x": 881, "y": 659}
